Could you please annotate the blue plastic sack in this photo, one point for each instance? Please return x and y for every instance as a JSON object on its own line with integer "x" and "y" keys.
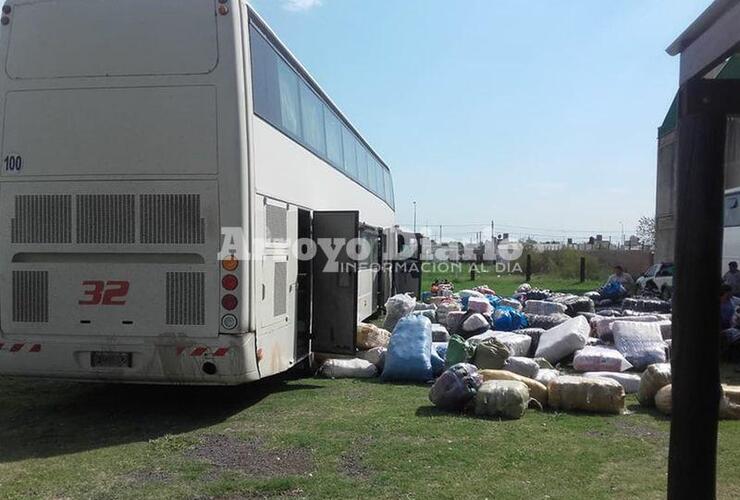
{"x": 613, "y": 290}
{"x": 440, "y": 348}
{"x": 494, "y": 300}
{"x": 410, "y": 351}
{"x": 438, "y": 363}
{"x": 508, "y": 319}
{"x": 464, "y": 302}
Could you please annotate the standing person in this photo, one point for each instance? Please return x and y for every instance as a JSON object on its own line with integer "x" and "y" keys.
{"x": 726, "y": 307}
{"x": 732, "y": 278}
{"x": 623, "y": 278}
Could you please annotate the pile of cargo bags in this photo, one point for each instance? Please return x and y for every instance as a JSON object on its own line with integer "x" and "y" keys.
{"x": 498, "y": 356}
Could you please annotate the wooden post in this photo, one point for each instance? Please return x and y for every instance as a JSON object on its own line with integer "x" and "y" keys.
{"x": 696, "y": 381}
{"x": 583, "y": 269}
{"x": 529, "y": 268}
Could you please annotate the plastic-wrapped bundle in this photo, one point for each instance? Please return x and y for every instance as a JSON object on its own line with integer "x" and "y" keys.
{"x": 348, "y": 368}
{"x": 543, "y": 363}
{"x": 732, "y": 392}
{"x": 376, "y": 356}
{"x": 666, "y": 327}
{"x": 630, "y": 381}
{"x": 653, "y": 379}
{"x": 438, "y": 363}
{"x": 456, "y": 387}
{"x": 537, "y": 294}
{"x": 646, "y": 305}
{"x": 458, "y": 351}
{"x": 534, "y": 334}
{"x": 603, "y": 325}
{"x": 479, "y": 305}
{"x": 546, "y": 375}
{"x": 608, "y": 312}
{"x": 427, "y": 313}
{"x": 469, "y": 293}
{"x": 599, "y": 395}
{"x": 444, "y": 309}
{"x": 485, "y": 290}
{"x": 421, "y": 306}
{"x": 588, "y": 315}
{"x": 396, "y": 308}
{"x": 481, "y": 337}
{"x": 370, "y": 336}
{"x": 544, "y": 307}
{"x": 454, "y": 321}
{"x": 537, "y": 390}
{"x": 440, "y": 348}
{"x": 546, "y": 322}
{"x": 491, "y": 354}
{"x": 439, "y": 333}
{"x": 728, "y": 410}
{"x": 574, "y": 304}
{"x": 518, "y": 344}
{"x": 409, "y": 352}
{"x": 502, "y": 398}
{"x": 641, "y": 343}
{"x": 600, "y": 358}
{"x": 563, "y": 340}
{"x": 475, "y": 324}
{"x": 513, "y": 303}
{"x": 507, "y": 319}
{"x": 526, "y": 367}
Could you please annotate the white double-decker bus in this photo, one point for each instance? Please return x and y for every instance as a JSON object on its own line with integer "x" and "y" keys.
{"x": 135, "y": 135}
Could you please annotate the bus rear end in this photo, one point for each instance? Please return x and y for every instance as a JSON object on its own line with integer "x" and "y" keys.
{"x": 120, "y": 147}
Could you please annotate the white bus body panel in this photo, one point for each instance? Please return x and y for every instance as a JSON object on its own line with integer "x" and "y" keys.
{"x": 287, "y": 171}
{"x": 149, "y": 98}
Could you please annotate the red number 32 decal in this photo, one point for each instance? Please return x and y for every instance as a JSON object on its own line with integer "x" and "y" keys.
{"x": 106, "y": 293}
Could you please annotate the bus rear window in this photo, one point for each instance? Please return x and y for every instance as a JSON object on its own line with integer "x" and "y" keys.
{"x": 79, "y": 38}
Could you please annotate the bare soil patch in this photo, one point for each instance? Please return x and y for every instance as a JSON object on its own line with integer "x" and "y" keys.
{"x": 252, "y": 457}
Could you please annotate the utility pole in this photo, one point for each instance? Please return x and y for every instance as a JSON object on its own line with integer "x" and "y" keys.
{"x": 440, "y": 233}
{"x": 414, "y": 217}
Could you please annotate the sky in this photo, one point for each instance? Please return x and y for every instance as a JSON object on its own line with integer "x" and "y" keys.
{"x": 540, "y": 115}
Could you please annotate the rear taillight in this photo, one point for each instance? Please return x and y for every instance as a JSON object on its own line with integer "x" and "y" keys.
{"x": 230, "y": 263}
{"x": 230, "y": 282}
{"x": 229, "y": 302}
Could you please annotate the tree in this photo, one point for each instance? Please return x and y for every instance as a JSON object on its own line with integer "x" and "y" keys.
{"x": 646, "y": 230}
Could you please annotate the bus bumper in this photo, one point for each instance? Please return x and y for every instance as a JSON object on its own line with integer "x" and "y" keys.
{"x": 222, "y": 360}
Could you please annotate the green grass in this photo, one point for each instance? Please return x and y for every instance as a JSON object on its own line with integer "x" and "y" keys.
{"x": 67, "y": 440}
{"x": 506, "y": 284}
{"x": 366, "y": 439}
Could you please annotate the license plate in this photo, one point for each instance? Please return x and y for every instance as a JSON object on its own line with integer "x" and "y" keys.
{"x": 110, "y": 360}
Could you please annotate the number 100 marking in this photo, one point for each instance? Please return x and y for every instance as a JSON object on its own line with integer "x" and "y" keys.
{"x": 13, "y": 163}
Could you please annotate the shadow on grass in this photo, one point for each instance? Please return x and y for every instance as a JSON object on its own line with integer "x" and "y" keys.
{"x": 50, "y": 418}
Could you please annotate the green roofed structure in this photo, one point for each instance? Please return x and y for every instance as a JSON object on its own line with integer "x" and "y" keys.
{"x": 665, "y": 199}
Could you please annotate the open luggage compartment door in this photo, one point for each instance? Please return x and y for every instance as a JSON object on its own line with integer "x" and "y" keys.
{"x": 407, "y": 268}
{"x": 334, "y": 283}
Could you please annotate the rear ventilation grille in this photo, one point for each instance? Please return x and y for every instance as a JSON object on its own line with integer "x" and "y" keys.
{"x": 30, "y": 296}
{"x": 281, "y": 284}
{"x": 185, "y": 299}
{"x": 106, "y": 218}
{"x": 171, "y": 219}
{"x": 277, "y": 223}
{"x": 42, "y": 218}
